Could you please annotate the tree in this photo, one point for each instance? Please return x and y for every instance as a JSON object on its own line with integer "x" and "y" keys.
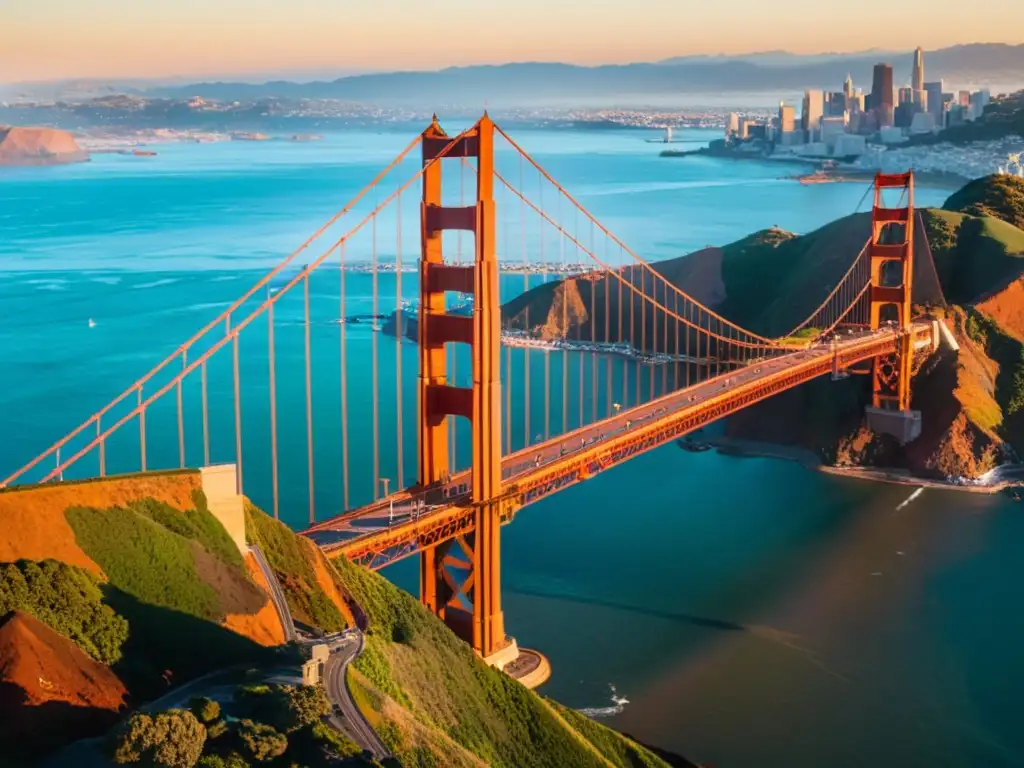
{"x": 68, "y": 599}
{"x": 171, "y": 739}
{"x": 262, "y": 742}
{"x": 205, "y": 709}
{"x": 233, "y": 760}
{"x": 303, "y": 706}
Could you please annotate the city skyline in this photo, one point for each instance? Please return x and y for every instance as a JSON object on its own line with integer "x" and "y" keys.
{"x": 58, "y": 39}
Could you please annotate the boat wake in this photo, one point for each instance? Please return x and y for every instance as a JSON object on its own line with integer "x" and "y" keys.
{"x": 910, "y": 498}
{"x": 618, "y": 704}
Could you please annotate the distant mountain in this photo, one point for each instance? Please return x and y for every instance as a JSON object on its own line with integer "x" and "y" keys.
{"x": 536, "y": 82}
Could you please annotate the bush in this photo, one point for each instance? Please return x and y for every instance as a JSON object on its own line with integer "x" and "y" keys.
{"x": 206, "y": 710}
{"x": 68, "y": 599}
{"x": 303, "y": 706}
{"x": 232, "y": 760}
{"x": 262, "y": 742}
{"x": 171, "y": 739}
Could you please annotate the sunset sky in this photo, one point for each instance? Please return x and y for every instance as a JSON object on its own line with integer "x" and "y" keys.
{"x": 48, "y": 39}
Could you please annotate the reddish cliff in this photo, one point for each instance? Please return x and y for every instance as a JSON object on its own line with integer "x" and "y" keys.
{"x": 39, "y": 146}
{"x": 50, "y": 689}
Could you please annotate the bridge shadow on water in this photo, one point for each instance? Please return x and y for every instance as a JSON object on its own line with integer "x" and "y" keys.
{"x": 681, "y": 618}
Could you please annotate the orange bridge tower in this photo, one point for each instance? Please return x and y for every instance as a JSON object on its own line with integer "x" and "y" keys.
{"x": 460, "y": 579}
{"x": 891, "y": 296}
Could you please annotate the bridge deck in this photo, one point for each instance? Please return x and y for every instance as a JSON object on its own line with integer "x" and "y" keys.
{"x": 403, "y": 523}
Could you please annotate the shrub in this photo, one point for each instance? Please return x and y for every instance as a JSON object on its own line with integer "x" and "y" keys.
{"x": 262, "y": 742}
{"x": 68, "y": 599}
{"x": 303, "y": 706}
{"x": 232, "y": 760}
{"x": 206, "y": 710}
{"x": 171, "y": 739}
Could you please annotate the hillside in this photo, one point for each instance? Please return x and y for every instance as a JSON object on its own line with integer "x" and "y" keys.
{"x": 139, "y": 574}
{"x": 972, "y": 403}
{"x": 50, "y": 685}
{"x": 119, "y": 588}
{"x": 38, "y": 146}
{"x": 471, "y": 715}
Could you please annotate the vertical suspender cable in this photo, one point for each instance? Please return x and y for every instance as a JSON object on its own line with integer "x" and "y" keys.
{"x": 399, "y": 322}
{"x": 206, "y": 415}
{"x": 142, "y": 432}
{"x": 103, "y": 449}
{"x": 309, "y": 408}
{"x": 565, "y": 321}
{"x": 526, "y": 288}
{"x": 375, "y": 375}
{"x": 238, "y": 412}
{"x": 579, "y": 326}
{"x": 544, "y": 278}
{"x": 273, "y": 407}
{"x": 593, "y": 334}
{"x": 344, "y": 375}
{"x": 181, "y": 417}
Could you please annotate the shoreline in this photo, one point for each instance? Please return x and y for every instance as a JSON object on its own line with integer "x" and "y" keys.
{"x": 754, "y": 449}
{"x": 840, "y": 175}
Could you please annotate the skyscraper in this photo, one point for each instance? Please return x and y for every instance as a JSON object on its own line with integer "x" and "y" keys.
{"x": 848, "y": 88}
{"x": 917, "y": 78}
{"x": 882, "y": 94}
{"x": 935, "y": 102}
{"x": 813, "y": 111}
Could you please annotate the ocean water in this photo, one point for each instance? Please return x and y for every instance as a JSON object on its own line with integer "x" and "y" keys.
{"x": 743, "y": 612}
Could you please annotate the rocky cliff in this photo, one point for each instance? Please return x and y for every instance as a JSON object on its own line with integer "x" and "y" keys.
{"x": 39, "y": 146}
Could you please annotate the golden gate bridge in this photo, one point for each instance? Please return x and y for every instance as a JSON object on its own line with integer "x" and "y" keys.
{"x": 691, "y": 367}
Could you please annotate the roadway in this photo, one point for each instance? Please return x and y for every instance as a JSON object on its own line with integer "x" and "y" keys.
{"x": 404, "y": 509}
{"x": 276, "y": 594}
{"x": 345, "y": 715}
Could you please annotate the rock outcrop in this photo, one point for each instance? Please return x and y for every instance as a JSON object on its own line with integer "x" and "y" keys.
{"x": 39, "y": 146}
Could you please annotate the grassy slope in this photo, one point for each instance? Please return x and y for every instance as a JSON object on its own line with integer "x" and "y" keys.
{"x": 291, "y": 558}
{"x": 430, "y": 690}
{"x": 158, "y": 579}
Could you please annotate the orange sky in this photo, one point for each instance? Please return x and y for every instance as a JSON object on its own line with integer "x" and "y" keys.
{"x": 47, "y": 39}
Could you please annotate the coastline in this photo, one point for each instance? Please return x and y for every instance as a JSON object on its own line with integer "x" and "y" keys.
{"x": 753, "y": 449}
{"x": 843, "y": 174}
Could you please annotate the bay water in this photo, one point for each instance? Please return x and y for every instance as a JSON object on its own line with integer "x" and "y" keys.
{"x": 743, "y": 612}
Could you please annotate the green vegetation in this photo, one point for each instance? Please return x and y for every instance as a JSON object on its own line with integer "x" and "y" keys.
{"x": 171, "y": 739}
{"x": 261, "y": 742}
{"x": 197, "y": 524}
{"x": 608, "y": 741}
{"x": 156, "y": 584}
{"x": 999, "y": 196}
{"x": 144, "y": 559}
{"x": 289, "y": 556}
{"x": 454, "y": 706}
{"x": 273, "y": 725}
{"x": 206, "y": 710}
{"x": 69, "y": 600}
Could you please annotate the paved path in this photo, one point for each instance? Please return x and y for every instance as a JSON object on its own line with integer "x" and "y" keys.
{"x": 276, "y": 594}
{"x": 346, "y": 716}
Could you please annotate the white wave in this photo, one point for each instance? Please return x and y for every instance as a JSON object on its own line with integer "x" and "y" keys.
{"x": 106, "y": 280}
{"x": 618, "y": 705}
{"x": 156, "y": 283}
{"x": 910, "y": 498}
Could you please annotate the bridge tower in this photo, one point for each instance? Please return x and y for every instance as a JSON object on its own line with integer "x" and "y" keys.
{"x": 891, "y": 295}
{"x": 460, "y": 579}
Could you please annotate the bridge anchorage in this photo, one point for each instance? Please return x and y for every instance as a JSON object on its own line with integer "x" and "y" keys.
{"x": 619, "y": 361}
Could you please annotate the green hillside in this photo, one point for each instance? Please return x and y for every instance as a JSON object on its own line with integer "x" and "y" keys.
{"x": 435, "y": 703}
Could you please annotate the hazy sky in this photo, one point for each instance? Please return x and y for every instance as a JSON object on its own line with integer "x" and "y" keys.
{"x": 45, "y": 39}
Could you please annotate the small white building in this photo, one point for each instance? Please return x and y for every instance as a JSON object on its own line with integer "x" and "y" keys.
{"x": 890, "y": 134}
